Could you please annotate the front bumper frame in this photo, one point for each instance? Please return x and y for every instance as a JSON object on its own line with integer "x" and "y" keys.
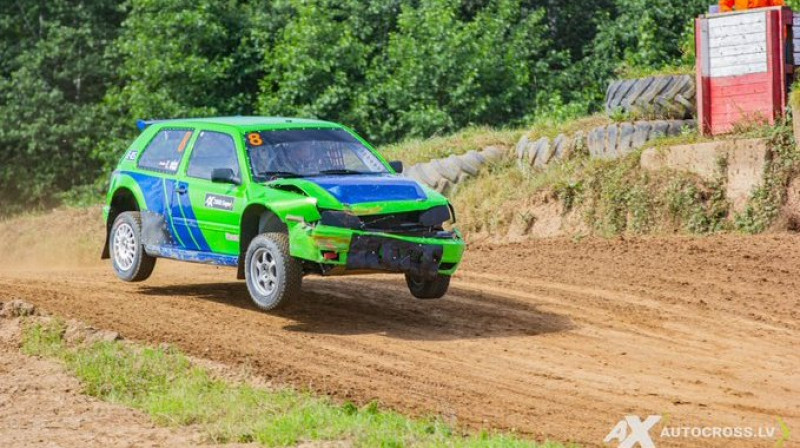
{"x": 361, "y": 251}
{"x": 389, "y": 254}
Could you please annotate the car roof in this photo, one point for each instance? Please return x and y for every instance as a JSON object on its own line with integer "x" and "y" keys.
{"x": 245, "y": 123}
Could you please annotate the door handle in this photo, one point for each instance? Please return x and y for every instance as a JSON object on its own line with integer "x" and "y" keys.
{"x": 181, "y": 189}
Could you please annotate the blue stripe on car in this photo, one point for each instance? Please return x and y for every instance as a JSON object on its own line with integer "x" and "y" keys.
{"x": 157, "y": 192}
{"x": 191, "y": 220}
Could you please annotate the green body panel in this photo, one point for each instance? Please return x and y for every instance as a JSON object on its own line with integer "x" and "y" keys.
{"x": 181, "y": 199}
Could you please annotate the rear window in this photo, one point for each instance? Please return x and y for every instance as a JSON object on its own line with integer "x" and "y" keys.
{"x": 165, "y": 151}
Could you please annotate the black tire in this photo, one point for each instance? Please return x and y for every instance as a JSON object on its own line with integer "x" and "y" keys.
{"x": 128, "y": 258}
{"x": 274, "y": 280}
{"x": 659, "y": 97}
{"x": 423, "y": 288}
{"x": 447, "y": 168}
{"x": 443, "y": 175}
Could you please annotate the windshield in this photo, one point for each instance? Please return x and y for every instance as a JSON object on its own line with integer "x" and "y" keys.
{"x": 308, "y": 152}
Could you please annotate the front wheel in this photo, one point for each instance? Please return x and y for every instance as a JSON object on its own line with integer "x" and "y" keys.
{"x": 273, "y": 277}
{"x": 428, "y": 288}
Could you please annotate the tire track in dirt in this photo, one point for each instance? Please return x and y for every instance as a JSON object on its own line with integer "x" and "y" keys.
{"x": 554, "y": 339}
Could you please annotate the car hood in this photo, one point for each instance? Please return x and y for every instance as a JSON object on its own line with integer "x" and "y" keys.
{"x": 362, "y": 189}
{"x": 363, "y": 194}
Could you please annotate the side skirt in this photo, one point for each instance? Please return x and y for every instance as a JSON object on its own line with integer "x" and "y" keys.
{"x": 192, "y": 256}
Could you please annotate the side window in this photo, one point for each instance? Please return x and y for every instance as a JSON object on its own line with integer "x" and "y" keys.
{"x": 212, "y": 150}
{"x": 165, "y": 151}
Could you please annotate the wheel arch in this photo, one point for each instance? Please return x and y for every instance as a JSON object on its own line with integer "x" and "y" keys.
{"x": 123, "y": 200}
{"x": 256, "y": 219}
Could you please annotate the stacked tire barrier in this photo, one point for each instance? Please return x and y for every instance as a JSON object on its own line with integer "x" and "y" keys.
{"x": 444, "y": 175}
{"x": 668, "y": 101}
{"x": 607, "y": 142}
{"x": 620, "y": 139}
{"x": 539, "y": 153}
{"x": 656, "y": 97}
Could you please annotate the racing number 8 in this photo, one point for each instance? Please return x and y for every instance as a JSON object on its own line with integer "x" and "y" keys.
{"x": 255, "y": 139}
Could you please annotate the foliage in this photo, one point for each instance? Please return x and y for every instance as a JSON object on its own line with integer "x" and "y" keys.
{"x": 179, "y": 58}
{"x": 165, "y": 384}
{"x": 765, "y": 202}
{"x": 53, "y": 73}
{"x": 441, "y": 73}
{"x": 74, "y": 76}
{"x": 649, "y": 34}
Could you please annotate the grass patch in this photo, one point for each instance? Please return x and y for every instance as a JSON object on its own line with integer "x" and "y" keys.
{"x": 794, "y": 98}
{"x": 765, "y": 203}
{"x": 618, "y": 196}
{"x": 631, "y": 72}
{"x": 613, "y": 196}
{"x": 476, "y": 138}
{"x": 174, "y": 392}
{"x": 552, "y": 128}
{"x": 423, "y": 150}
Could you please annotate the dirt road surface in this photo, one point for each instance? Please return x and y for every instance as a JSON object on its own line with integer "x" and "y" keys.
{"x": 556, "y": 339}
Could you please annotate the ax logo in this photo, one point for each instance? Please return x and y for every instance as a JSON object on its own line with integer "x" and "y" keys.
{"x": 219, "y": 202}
{"x": 632, "y": 431}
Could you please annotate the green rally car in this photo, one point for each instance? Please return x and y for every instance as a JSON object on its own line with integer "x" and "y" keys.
{"x": 276, "y": 198}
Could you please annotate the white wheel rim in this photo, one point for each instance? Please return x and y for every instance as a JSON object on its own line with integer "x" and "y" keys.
{"x": 124, "y": 246}
{"x": 264, "y": 272}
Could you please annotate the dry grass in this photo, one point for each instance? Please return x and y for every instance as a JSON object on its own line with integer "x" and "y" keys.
{"x": 552, "y": 128}
{"x": 612, "y": 196}
{"x": 794, "y": 98}
{"x": 477, "y": 138}
{"x": 628, "y": 72}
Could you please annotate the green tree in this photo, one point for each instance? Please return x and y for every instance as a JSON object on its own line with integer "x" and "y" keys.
{"x": 646, "y": 33}
{"x": 440, "y": 72}
{"x": 182, "y": 58}
{"x": 319, "y": 62}
{"x": 54, "y": 70}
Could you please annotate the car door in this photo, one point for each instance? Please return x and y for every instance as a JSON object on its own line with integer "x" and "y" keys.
{"x": 157, "y": 177}
{"x": 211, "y": 209}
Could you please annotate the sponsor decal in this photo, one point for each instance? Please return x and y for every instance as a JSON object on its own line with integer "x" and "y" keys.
{"x": 632, "y": 432}
{"x": 219, "y": 202}
{"x": 132, "y": 155}
{"x": 639, "y": 432}
{"x": 232, "y": 237}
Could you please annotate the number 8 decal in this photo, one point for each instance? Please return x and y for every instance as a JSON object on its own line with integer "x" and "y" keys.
{"x": 254, "y": 138}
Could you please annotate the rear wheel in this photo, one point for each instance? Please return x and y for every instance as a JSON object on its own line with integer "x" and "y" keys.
{"x": 428, "y": 288}
{"x": 273, "y": 277}
{"x": 130, "y": 262}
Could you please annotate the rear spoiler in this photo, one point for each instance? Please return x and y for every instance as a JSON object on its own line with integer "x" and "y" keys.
{"x": 143, "y": 124}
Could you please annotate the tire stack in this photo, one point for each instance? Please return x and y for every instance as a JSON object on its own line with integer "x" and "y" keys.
{"x": 667, "y": 101}
{"x": 656, "y": 97}
{"x": 444, "y": 175}
{"x": 539, "y": 153}
{"x": 620, "y": 139}
{"x": 796, "y": 40}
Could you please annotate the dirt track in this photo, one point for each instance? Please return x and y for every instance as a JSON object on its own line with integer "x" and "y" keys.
{"x": 556, "y": 339}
